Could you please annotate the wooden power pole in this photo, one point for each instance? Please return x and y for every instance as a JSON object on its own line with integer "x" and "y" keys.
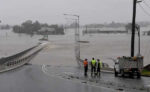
{"x": 133, "y": 28}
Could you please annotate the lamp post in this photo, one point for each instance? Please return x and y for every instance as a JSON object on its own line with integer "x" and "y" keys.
{"x": 77, "y": 36}
{"x": 138, "y": 30}
{"x": 76, "y": 27}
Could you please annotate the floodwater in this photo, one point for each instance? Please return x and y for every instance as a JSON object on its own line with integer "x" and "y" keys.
{"x": 102, "y": 46}
{"x": 11, "y": 43}
{"x": 59, "y": 57}
{"x": 60, "y": 50}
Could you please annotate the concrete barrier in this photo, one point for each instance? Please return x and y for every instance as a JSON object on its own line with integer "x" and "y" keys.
{"x": 19, "y": 59}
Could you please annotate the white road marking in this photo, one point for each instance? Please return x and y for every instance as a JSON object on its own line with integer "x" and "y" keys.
{"x": 44, "y": 69}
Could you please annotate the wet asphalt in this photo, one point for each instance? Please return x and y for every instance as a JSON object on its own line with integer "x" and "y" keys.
{"x": 31, "y": 78}
{"x": 105, "y": 80}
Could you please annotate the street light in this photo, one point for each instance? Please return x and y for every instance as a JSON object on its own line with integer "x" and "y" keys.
{"x": 77, "y": 36}
{"x": 139, "y": 1}
{"x": 78, "y": 18}
{"x": 72, "y": 15}
{"x": 138, "y": 30}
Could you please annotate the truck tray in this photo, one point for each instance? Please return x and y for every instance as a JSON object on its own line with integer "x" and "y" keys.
{"x": 128, "y": 62}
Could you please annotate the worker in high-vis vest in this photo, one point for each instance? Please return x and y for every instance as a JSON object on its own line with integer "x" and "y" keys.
{"x": 85, "y": 63}
{"x": 93, "y": 66}
{"x": 99, "y": 66}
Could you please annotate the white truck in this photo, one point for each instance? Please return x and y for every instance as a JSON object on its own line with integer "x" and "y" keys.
{"x": 128, "y": 66}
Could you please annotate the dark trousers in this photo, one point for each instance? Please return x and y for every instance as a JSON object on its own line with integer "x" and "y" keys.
{"x": 98, "y": 71}
{"x": 85, "y": 70}
{"x": 93, "y": 69}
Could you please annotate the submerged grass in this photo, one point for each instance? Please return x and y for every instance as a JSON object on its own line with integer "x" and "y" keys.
{"x": 145, "y": 72}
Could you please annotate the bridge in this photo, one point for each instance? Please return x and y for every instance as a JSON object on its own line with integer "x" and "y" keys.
{"x": 21, "y": 58}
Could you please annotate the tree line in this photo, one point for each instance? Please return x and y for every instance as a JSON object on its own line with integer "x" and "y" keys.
{"x": 29, "y": 27}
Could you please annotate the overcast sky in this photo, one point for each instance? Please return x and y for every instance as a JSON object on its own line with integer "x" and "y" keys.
{"x": 51, "y": 11}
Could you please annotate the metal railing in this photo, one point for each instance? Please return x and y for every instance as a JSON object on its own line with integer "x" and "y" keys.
{"x": 19, "y": 59}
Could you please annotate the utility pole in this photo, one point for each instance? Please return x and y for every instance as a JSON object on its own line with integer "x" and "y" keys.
{"x": 133, "y": 28}
{"x": 78, "y": 37}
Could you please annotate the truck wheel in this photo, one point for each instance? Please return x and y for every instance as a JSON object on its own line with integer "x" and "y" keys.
{"x": 131, "y": 75}
{"x": 116, "y": 73}
{"x": 138, "y": 75}
{"x": 122, "y": 73}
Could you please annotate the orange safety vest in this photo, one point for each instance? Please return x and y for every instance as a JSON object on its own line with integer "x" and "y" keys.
{"x": 85, "y": 63}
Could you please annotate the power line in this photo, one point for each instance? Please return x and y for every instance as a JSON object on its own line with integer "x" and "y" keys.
{"x": 147, "y": 13}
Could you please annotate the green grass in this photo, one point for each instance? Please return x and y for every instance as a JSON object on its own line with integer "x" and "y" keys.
{"x": 145, "y": 73}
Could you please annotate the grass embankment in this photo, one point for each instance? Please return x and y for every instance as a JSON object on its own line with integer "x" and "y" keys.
{"x": 145, "y": 73}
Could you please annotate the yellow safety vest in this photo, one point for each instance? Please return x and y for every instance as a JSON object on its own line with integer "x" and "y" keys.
{"x": 100, "y": 64}
{"x": 93, "y": 62}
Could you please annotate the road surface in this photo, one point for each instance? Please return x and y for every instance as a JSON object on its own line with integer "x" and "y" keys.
{"x": 106, "y": 80}
{"x": 31, "y": 78}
